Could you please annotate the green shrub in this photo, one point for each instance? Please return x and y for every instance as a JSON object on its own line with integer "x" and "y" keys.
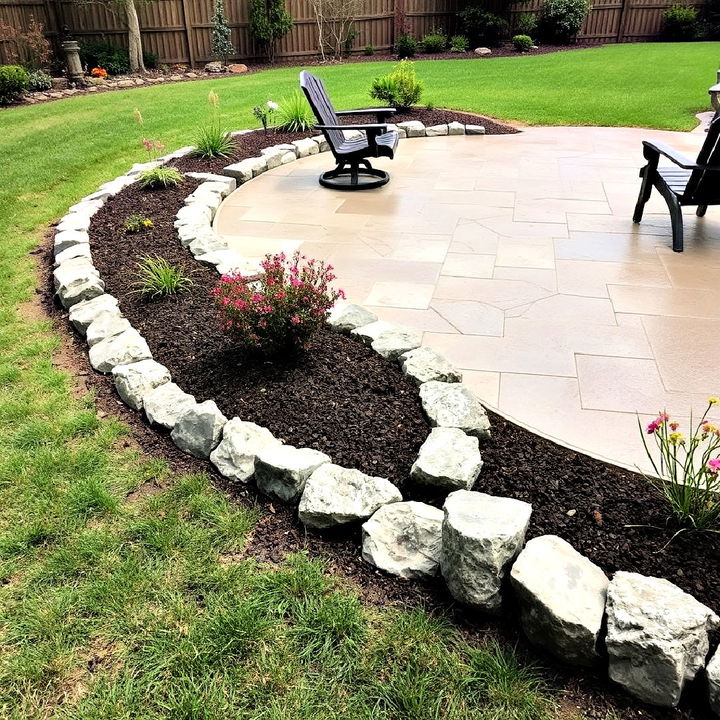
{"x": 157, "y": 277}
{"x": 159, "y": 177}
{"x": 212, "y": 140}
{"x": 269, "y": 22}
{"x": 459, "y": 44}
{"x": 560, "y": 20}
{"x": 136, "y": 223}
{"x": 522, "y": 43}
{"x": 400, "y": 89}
{"x": 526, "y": 24}
{"x": 406, "y": 47}
{"x": 369, "y": 50}
{"x": 104, "y": 54}
{"x": 13, "y": 82}
{"x": 295, "y": 114}
{"x": 434, "y": 42}
{"x": 482, "y": 27}
{"x": 39, "y": 80}
{"x": 680, "y": 23}
{"x": 150, "y": 60}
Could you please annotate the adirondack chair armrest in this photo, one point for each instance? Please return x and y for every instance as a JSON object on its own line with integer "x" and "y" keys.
{"x": 654, "y": 149}
{"x": 379, "y": 128}
{"x": 381, "y": 113}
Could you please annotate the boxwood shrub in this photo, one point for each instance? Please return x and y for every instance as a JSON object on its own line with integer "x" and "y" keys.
{"x": 13, "y": 82}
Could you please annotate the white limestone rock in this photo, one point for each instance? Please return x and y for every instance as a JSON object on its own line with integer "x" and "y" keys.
{"x": 288, "y": 157}
{"x": 211, "y": 200}
{"x": 372, "y": 331}
{"x": 106, "y": 325}
{"x": 74, "y": 252}
{"x": 657, "y": 637}
{"x": 483, "y": 51}
{"x": 198, "y": 431}
{"x": 205, "y": 242}
{"x": 241, "y": 441}
{"x": 424, "y": 364}
{"x": 229, "y": 262}
{"x": 89, "y": 206}
{"x": 305, "y": 147}
{"x": 562, "y": 599}
{"x": 399, "y": 130}
{"x": 336, "y": 495}
{"x": 481, "y": 535}
{"x": 123, "y": 349}
{"x": 83, "y": 313}
{"x": 68, "y": 238}
{"x": 453, "y": 405}
{"x": 246, "y": 169}
{"x": 713, "y": 678}
{"x": 456, "y": 128}
{"x": 448, "y": 459}
{"x": 413, "y": 128}
{"x": 436, "y": 130}
{"x": 134, "y": 381}
{"x": 228, "y": 182}
{"x": 166, "y": 404}
{"x": 393, "y": 343}
{"x": 405, "y": 539}
{"x": 282, "y": 471}
{"x": 348, "y": 316}
{"x": 474, "y": 130}
{"x": 322, "y": 143}
{"x": 194, "y": 214}
{"x": 79, "y": 221}
{"x": 77, "y": 280}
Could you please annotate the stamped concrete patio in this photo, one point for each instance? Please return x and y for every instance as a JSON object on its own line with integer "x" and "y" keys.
{"x": 517, "y": 257}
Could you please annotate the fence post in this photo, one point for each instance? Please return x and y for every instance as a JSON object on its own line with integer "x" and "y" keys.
{"x": 621, "y": 23}
{"x": 188, "y": 32}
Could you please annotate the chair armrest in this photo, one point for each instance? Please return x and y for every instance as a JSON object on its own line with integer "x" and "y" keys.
{"x": 370, "y": 126}
{"x": 660, "y": 148}
{"x": 368, "y": 111}
{"x": 713, "y": 89}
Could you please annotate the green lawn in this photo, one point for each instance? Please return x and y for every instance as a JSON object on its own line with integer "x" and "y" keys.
{"x": 118, "y": 609}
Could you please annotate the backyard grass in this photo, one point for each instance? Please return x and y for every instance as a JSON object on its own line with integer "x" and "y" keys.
{"x": 112, "y": 608}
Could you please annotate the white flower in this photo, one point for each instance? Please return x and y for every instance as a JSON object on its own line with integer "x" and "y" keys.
{"x": 273, "y": 105}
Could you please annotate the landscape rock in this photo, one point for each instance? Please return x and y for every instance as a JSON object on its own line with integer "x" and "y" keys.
{"x": 134, "y": 381}
{"x": 322, "y": 143}
{"x": 83, "y": 313}
{"x": 229, "y": 183}
{"x": 194, "y": 214}
{"x": 106, "y": 325}
{"x": 399, "y": 130}
{"x": 405, "y": 539}
{"x": 448, "y": 459}
{"x": 391, "y": 344}
{"x": 657, "y": 637}
{"x": 436, "y": 130}
{"x": 198, "y": 431}
{"x": 348, "y": 316}
{"x": 77, "y": 281}
{"x": 562, "y": 599}
{"x": 336, "y": 495}
{"x": 205, "y": 242}
{"x": 372, "y": 331}
{"x": 305, "y": 147}
{"x": 424, "y": 365}
{"x": 453, "y": 405}
{"x": 214, "y": 67}
{"x": 483, "y": 51}
{"x": 713, "y": 678}
{"x": 166, "y": 404}
{"x": 228, "y": 261}
{"x": 282, "y": 471}
{"x": 474, "y": 130}
{"x": 456, "y": 128}
{"x": 69, "y": 238}
{"x": 412, "y": 128}
{"x": 481, "y": 535}
{"x": 81, "y": 250}
{"x": 247, "y": 169}
{"x": 237, "y": 68}
{"x": 241, "y": 441}
{"x": 274, "y": 155}
{"x": 75, "y": 221}
{"x": 89, "y": 207}
{"x": 123, "y": 349}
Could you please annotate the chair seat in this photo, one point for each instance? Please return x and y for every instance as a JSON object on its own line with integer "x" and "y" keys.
{"x": 386, "y": 144}
{"x": 675, "y": 178}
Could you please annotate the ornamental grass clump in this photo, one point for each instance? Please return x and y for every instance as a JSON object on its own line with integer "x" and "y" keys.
{"x": 688, "y": 471}
{"x": 278, "y": 311}
{"x": 211, "y": 139}
{"x": 156, "y": 277}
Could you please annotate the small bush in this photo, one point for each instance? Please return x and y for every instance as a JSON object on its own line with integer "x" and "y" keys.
{"x": 526, "y": 24}
{"x": 39, "y": 80}
{"x": 400, "y": 89}
{"x": 280, "y": 310}
{"x": 406, "y": 47}
{"x": 434, "y": 42}
{"x": 522, "y": 43}
{"x": 13, "y": 82}
{"x": 27, "y": 47}
{"x": 159, "y": 177}
{"x": 150, "y": 60}
{"x": 156, "y": 277}
{"x": 680, "y": 23}
{"x": 295, "y": 114}
{"x": 560, "y": 20}
{"x": 137, "y": 223}
{"x": 369, "y": 50}
{"x": 459, "y": 44}
{"x": 483, "y": 27}
{"x": 104, "y": 54}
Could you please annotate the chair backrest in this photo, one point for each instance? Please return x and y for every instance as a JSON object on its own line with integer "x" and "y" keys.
{"x": 323, "y": 109}
{"x": 703, "y": 188}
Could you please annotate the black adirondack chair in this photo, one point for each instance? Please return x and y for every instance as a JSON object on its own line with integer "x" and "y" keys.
{"x": 353, "y": 171}
{"x": 694, "y": 183}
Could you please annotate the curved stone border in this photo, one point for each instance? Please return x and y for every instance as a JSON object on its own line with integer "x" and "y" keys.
{"x": 657, "y": 635}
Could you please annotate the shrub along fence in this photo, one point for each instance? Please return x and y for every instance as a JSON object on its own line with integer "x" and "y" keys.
{"x": 178, "y": 31}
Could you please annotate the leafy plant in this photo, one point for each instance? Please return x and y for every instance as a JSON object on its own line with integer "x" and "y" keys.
{"x": 39, "y": 80}
{"x": 482, "y": 27}
{"x": 560, "y": 21}
{"x": 400, "y": 89}
{"x": 688, "y": 471}
{"x": 13, "y": 82}
{"x": 211, "y": 140}
{"x": 406, "y": 46}
{"x": 369, "y": 50}
{"x": 137, "y": 223}
{"x": 434, "y": 42}
{"x": 526, "y": 24}
{"x": 159, "y": 177}
{"x": 522, "y": 43}
{"x": 27, "y": 47}
{"x": 265, "y": 112}
{"x": 106, "y": 55}
{"x": 156, "y": 277}
{"x": 269, "y": 21}
{"x": 295, "y": 114}
{"x": 680, "y": 23}
{"x": 221, "y": 46}
{"x": 282, "y": 308}
{"x": 459, "y": 44}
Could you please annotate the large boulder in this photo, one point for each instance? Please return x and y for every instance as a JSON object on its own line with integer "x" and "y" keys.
{"x": 423, "y": 365}
{"x": 713, "y": 677}
{"x": 657, "y": 637}
{"x": 372, "y": 331}
{"x": 123, "y": 349}
{"x": 134, "y": 381}
{"x": 106, "y": 325}
{"x": 281, "y": 471}
{"x": 347, "y": 317}
{"x": 562, "y": 598}
{"x": 448, "y": 459}
{"x": 481, "y": 535}
{"x": 198, "y": 431}
{"x": 405, "y": 539}
{"x": 391, "y": 344}
{"x": 166, "y": 404}
{"x": 453, "y": 405}
{"x": 336, "y": 495}
{"x": 241, "y": 441}
{"x": 83, "y": 313}
{"x": 77, "y": 280}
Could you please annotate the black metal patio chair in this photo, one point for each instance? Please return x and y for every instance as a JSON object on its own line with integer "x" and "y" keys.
{"x": 694, "y": 183}
{"x": 353, "y": 171}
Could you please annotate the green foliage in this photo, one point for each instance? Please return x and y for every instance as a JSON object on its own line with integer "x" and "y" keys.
{"x": 221, "y": 46}
{"x": 526, "y": 24}
{"x": 406, "y": 46}
{"x": 159, "y": 177}
{"x": 13, "y": 82}
{"x": 560, "y": 21}
{"x": 269, "y": 21}
{"x": 39, "y": 80}
{"x": 156, "y": 277}
{"x": 136, "y": 223}
{"x": 522, "y": 43}
{"x": 106, "y": 55}
{"x": 680, "y": 23}
{"x": 400, "y": 89}
{"x": 295, "y": 114}
{"x": 369, "y": 50}
{"x": 150, "y": 60}
{"x": 459, "y": 44}
{"x": 483, "y": 28}
{"x": 212, "y": 140}
{"x": 434, "y": 42}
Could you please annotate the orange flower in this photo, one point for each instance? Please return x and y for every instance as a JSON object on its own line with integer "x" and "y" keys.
{"x": 99, "y": 72}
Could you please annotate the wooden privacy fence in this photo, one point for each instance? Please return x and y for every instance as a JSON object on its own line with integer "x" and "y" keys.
{"x": 178, "y": 31}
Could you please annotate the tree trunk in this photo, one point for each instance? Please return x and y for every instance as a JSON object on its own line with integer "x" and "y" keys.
{"x": 134, "y": 41}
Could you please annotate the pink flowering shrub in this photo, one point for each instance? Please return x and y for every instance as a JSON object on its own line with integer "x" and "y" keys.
{"x": 688, "y": 468}
{"x": 279, "y": 310}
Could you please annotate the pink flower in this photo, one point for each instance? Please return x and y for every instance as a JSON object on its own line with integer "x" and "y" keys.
{"x": 295, "y": 320}
{"x": 240, "y": 304}
{"x": 256, "y": 297}
{"x": 262, "y": 324}
{"x": 279, "y": 295}
{"x": 714, "y": 466}
{"x": 226, "y": 301}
